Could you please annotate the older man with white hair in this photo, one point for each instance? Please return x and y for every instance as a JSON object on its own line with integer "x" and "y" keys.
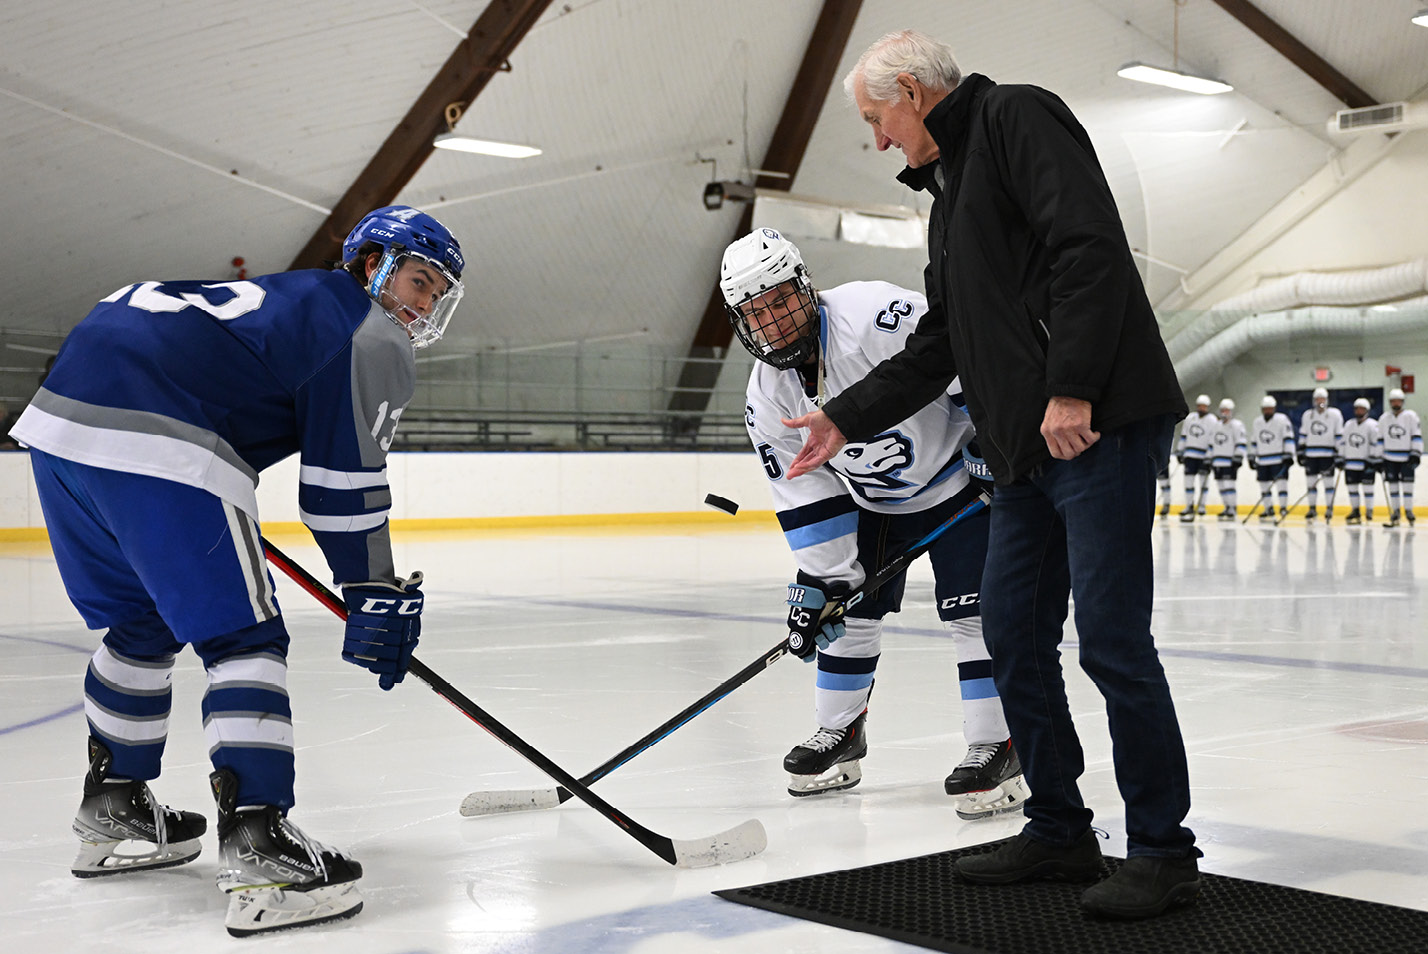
{"x": 1035, "y": 301}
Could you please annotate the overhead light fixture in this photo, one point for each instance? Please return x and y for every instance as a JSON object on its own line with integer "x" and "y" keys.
{"x": 1421, "y": 18}
{"x": 720, "y": 191}
{"x": 1175, "y": 79}
{"x": 486, "y": 147}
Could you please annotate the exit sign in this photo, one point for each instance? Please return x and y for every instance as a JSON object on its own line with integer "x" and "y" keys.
{"x": 1322, "y": 374}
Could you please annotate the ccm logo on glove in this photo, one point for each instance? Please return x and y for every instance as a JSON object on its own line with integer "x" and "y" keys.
{"x": 388, "y": 607}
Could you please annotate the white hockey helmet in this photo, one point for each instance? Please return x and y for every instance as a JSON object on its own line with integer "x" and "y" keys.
{"x": 1268, "y": 402}
{"x": 1203, "y": 399}
{"x": 1227, "y": 405}
{"x": 1321, "y": 393}
{"x": 1363, "y": 403}
{"x": 1396, "y": 394}
{"x": 765, "y": 269}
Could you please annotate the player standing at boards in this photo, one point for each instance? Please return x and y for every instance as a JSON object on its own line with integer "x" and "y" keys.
{"x": 1319, "y": 430}
{"x": 1358, "y": 458}
{"x": 1270, "y": 454}
{"x": 147, "y": 439}
{"x": 1193, "y": 450}
{"x": 870, "y": 502}
{"x": 1229, "y": 446}
{"x": 1400, "y": 442}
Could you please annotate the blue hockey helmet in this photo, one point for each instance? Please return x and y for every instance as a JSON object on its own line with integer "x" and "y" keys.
{"x": 404, "y": 232}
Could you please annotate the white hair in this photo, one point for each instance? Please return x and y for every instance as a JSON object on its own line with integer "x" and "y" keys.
{"x": 906, "y": 51}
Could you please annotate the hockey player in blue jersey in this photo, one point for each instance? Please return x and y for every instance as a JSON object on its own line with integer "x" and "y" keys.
{"x": 146, "y": 442}
{"x": 874, "y": 499}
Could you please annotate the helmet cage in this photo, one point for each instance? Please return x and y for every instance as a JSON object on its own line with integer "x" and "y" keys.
{"x": 788, "y": 331}
{"x": 423, "y": 330}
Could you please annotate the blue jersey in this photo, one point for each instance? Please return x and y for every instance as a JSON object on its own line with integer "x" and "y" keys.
{"x": 207, "y": 383}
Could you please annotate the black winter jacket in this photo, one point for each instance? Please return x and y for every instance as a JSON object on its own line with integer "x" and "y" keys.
{"x": 1031, "y": 288}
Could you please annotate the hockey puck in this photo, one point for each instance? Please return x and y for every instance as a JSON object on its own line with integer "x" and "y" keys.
{"x": 721, "y": 503}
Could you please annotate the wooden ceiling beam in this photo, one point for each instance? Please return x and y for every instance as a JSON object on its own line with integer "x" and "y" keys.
{"x": 1297, "y": 53}
{"x": 800, "y": 114}
{"x": 485, "y": 51}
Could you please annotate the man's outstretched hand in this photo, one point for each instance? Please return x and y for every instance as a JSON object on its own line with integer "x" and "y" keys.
{"x": 824, "y": 440}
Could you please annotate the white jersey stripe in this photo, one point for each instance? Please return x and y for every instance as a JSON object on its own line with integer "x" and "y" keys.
{"x": 136, "y": 730}
{"x": 133, "y": 676}
{"x": 344, "y": 524}
{"x": 341, "y": 479}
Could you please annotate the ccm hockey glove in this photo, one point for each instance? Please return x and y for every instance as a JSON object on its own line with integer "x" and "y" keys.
{"x": 383, "y": 625}
{"x": 806, "y": 629}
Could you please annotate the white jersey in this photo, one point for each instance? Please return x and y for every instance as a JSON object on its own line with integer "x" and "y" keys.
{"x": 1228, "y": 443}
{"x": 1319, "y": 431}
{"x": 1358, "y": 443}
{"x": 1197, "y": 435}
{"x": 910, "y": 467}
{"x": 1399, "y": 435}
{"x": 1272, "y": 441}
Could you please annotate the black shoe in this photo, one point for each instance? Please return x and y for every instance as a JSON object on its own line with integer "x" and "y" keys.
{"x": 1144, "y": 887}
{"x": 1025, "y": 859}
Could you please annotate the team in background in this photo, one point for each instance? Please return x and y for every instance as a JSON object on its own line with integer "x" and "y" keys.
{"x": 1325, "y": 445}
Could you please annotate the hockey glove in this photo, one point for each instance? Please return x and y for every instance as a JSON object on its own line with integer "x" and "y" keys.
{"x": 1253, "y": 462}
{"x": 1339, "y": 463}
{"x": 1300, "y": 459}
{"x": 806, "y": 629}
{"x": 383, "y": 625}
{"x": 1239, "y": 462}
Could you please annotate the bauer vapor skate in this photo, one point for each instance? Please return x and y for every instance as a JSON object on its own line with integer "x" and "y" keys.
{"x": 829, "y": 761}
{"x": 275, "y": 876}
{"x": 988, "y": 781}
{"x": 121, "y": 827}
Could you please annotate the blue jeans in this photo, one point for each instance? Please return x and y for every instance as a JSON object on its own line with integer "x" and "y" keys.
{"x": 1083, "y": 526}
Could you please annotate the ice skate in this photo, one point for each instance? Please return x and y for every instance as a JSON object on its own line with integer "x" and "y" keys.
{"x": 1187, "y": 515}
{"x": 1165, "y": 510}
{"x": 1408, "y": 512}
{"x": 1354, "y": 518}
{"x": 1392, "y": 520}
{"x": 1200, "y": 510}
{"x": 829, "y": 761}
{"x": 988, "y": 781}
{"x": 1266, "y": 515}
{"x": 121, "y": 827}
{"x": 275, "y": 876}
{"x": 1312, "y": 515}
{"x": 1283, "y": 511}
{"x": 1227, "y": 515}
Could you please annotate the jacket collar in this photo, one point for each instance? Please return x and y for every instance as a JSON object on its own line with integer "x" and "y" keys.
{"x": 947, "y": 122}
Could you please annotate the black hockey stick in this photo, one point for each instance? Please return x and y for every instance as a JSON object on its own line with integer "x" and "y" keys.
{"x": 520, "y": 800}
{"x": 736, "y": 844}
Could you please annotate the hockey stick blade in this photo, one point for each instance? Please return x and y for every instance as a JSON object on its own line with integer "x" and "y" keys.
{"x": 736, "y": 844}
{"x": 523, "y": 800}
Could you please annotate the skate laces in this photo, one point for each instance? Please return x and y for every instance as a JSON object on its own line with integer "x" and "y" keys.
{"x": 825, "y": 739}
{"x": 314, "y": 848}
{"x": 161, "y": 827}
{"x": 979, "y": 755}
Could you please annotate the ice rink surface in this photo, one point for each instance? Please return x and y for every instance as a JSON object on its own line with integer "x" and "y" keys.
{"x": 1297, "y": 658}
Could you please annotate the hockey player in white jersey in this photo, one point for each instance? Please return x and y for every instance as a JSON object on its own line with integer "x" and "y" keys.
{"x": 1271, "y": 451}
{"x": 869, "y": 503}
{"x": 146, "y": 441}
{"x": 1227, "y": 455}
{"x": 1194, "y": 449}
{"x": 1319, "y": 430}
{"x": 1358, "y": 459}
{"x": 1400, "y": 442}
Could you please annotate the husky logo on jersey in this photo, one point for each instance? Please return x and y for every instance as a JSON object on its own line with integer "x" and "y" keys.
{"x": 1197, "y": 430}
{"x": 1356, "y": 440}
{"x": 1222, "y": 438}
{"x": 891, "y": 317}
{"x": 1397, "y": 431}
{"x": 748, "y": 415}
{"x": 1267, "y": 437}
{"x": 1318, "y": 427}
{"x": 875, "y": 463}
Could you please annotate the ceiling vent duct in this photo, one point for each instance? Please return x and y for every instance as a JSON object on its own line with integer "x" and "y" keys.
{"x": 1383, "y": 118}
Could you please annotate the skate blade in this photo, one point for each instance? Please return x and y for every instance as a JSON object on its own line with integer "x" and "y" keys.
{"x": 842, "y": 776}
{"x": 96, "y": 859}
{"x": 262, "y": 910}
{"x": 1005, "y": 798}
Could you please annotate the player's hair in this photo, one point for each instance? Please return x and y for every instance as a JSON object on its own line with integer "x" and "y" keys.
{"x": 357, "y": 266}
{"x": 906, "y": 51}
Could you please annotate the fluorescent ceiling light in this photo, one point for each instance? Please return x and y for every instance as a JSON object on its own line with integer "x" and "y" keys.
{"x": 1421, "y": 18}
{"x": 486, "y": 147}
{"x": 1175, "y": 79}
